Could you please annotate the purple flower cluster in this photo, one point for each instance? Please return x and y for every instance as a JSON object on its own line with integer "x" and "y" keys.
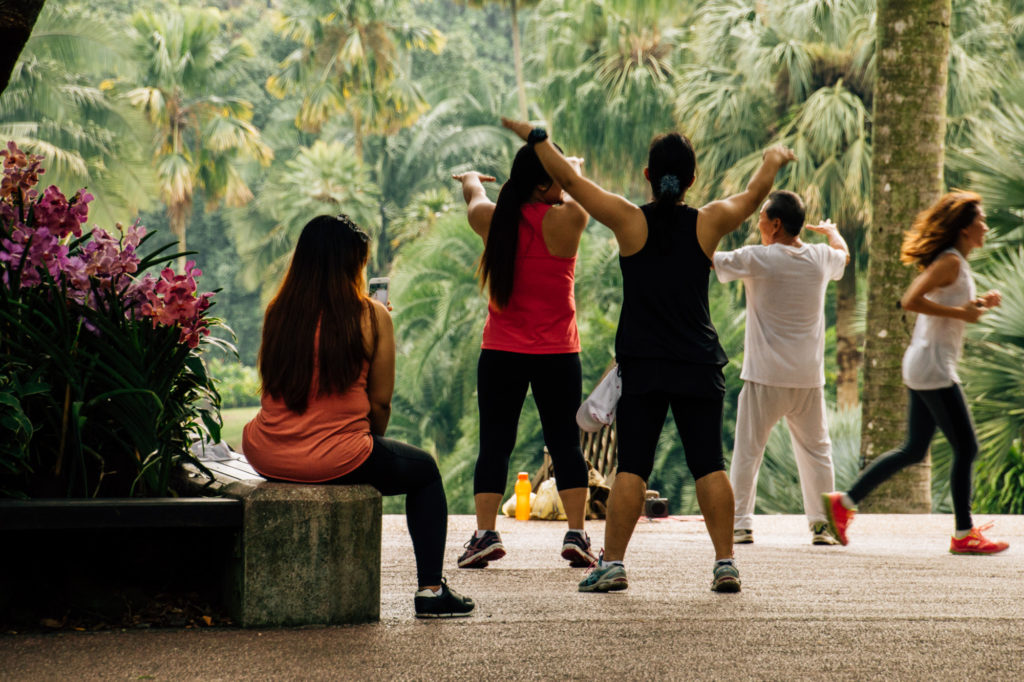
{"x": 171, "y": 300}
{"x": 35, "y": 239}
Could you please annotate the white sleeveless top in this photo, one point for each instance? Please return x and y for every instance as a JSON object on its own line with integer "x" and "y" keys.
{"x": 930, "y": 361}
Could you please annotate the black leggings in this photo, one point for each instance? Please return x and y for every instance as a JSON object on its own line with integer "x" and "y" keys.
{"x": 641, "y": 417}
{"x": 947, "y": 409}
{"x": 502, "y": 380}
{"x": 395, "y": 468}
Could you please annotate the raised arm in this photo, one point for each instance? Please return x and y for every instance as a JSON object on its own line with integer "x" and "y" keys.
{"x": 479, "y": 208}
{"x": 624, "y": 218}
{"x": 719, "y": 218}
{"x": 835, "y": 239}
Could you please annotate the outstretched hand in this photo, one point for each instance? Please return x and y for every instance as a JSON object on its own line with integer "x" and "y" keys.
{"x": 824, "y": 227}
{"x": 462, "y": 177}
{"x": 520, "y": 128}
{"x": 779, "y": 154}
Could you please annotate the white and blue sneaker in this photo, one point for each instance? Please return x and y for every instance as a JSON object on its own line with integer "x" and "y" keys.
{"x": 726, "y": 576}
{"x": 604, "y": 578}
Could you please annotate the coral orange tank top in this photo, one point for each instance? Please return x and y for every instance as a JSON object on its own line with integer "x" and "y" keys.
{"x": 540, "y": 316}
{"x": 330, "y": 439}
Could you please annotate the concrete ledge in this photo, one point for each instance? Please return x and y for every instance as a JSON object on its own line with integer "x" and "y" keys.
{"x": 307, "y": 554}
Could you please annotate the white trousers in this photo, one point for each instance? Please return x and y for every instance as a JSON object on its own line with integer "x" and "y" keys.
{"x": 759, "y": 410}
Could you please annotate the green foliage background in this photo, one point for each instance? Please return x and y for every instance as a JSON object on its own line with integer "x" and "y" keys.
{"x": 373, "y": 114}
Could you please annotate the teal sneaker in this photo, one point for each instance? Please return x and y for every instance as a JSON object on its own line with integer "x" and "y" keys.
{"x": 726, "y": 577}
{"x": 607, "y": 578}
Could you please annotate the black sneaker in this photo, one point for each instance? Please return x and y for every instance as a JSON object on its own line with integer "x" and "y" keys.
{"x": 448, "y": 604}
{"x": 481, "y": 550}
{"x": 576, "y": 548}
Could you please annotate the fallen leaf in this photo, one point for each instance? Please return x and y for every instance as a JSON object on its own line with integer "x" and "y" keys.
{"x": 208, "y": 620}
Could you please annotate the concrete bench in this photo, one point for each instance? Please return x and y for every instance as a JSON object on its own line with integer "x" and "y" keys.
{"x": 305, "y": 554}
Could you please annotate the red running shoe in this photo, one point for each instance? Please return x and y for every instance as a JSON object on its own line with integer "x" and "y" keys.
{"x": 976, "y": 543}
{"x": 839, "y": 517}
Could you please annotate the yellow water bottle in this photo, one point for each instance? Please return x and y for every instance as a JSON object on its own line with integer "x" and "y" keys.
{"x": 523, "y": 490}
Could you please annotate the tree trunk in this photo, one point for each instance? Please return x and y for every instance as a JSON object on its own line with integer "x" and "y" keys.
{"x": 908, "y": 149}
{"x": 848, "y": 355}
{"x": 17, "y": 17}
{"x": 517, "y": 55}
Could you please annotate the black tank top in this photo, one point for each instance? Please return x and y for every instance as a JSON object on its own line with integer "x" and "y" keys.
{"x": 665, "y": 313}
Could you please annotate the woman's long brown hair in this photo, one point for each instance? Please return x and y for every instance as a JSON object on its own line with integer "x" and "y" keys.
{"x": 937, "y": 227}
{"x": 323, "y": 289}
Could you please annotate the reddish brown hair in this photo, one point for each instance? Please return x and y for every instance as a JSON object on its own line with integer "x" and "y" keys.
{"x": 937, "y": 227}
{"x": 323, "y": 290}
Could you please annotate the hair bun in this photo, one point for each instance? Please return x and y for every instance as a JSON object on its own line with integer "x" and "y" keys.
{"x": 668, "y": 186}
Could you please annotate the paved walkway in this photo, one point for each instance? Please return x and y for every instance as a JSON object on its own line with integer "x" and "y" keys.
{"x": 893, "y": 604}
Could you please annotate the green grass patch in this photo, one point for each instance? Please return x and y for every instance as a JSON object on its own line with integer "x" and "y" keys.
{"x": 234, "y": 419}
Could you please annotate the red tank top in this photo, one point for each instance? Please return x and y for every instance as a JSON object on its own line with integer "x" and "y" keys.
{"x": 540, "y": 317}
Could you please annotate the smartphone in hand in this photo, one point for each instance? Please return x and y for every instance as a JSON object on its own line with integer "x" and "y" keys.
{"x": 378, "y": 288}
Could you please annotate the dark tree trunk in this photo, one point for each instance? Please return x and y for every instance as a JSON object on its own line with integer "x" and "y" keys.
{"x": 17, "y": 17}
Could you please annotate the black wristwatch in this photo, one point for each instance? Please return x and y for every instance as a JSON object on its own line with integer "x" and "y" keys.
{"x": 536, "y": 135}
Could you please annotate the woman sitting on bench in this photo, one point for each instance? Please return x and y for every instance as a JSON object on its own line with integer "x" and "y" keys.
{"x": 327, "y": 362}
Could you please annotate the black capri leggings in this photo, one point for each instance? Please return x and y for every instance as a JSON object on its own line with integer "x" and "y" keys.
{"x": 945, "y": 408}
{"x": 502, "y": 380}
{"x": 395, "y": 468}
{"x": 641, "y": 417}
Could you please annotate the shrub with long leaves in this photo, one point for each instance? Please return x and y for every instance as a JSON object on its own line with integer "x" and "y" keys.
{"x": 102, "y": 388}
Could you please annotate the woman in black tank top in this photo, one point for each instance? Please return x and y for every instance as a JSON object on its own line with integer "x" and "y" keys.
{"x": 666, "y": 345}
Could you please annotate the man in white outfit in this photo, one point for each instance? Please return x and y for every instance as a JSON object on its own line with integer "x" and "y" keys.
{"x": 783, "y": 361}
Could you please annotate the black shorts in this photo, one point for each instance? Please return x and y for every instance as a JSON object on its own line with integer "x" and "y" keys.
{"x": 696, "y": 404}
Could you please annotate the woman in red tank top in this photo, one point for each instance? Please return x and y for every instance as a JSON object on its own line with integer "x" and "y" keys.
{"x": 530, "y": 341}
{"x": 327, "y": 362}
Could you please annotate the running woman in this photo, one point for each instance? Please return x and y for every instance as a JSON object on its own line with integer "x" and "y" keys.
{"x": 944, "y": 297}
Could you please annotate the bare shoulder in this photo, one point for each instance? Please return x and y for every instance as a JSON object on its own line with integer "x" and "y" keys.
{"x": 945, "y": 268}
{"x": 381, "y": 314}
{"x": 570, "y": 214}
{"x": 376, "y": 324}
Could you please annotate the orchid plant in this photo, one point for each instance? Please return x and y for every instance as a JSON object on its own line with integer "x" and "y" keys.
{"x": 102, "y": 384}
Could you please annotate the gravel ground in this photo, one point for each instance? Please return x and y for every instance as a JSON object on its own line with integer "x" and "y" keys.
{"x": 893, "y": 604}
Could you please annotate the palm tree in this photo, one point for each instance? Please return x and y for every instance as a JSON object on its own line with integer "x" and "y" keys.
{"x": 795, "y": 72}
{"x": 352, "y": 58}
{"x": 801, "y": 72}
{"x": 322, "y": 178}
{"x": 409, "y": 166}
{"x": 613, "y": 66}
{"x": 910, "y": 129}
{"x": 439, "y": 315}
{"x": 517, "y": 50}
{"x": 201, "y": 133}
{"x": 58, "y": 104}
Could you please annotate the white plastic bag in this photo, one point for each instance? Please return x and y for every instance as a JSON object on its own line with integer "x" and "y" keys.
{"x": 599, "y": 408}
{"x": 547, "y": 504}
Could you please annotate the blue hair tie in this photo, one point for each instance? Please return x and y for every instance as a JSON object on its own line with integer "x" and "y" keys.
{"x": 668, "y": 186}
